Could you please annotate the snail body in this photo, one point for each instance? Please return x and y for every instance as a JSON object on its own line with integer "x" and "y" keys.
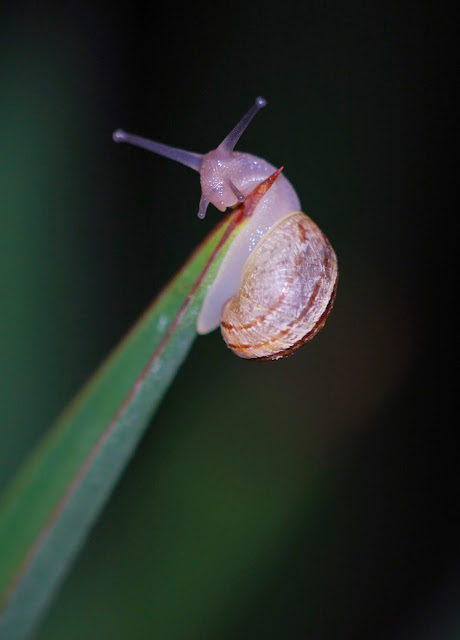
{"x": 276, "y": 285}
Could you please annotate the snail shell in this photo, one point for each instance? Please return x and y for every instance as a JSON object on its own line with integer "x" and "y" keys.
{"x": 286, "y": 293}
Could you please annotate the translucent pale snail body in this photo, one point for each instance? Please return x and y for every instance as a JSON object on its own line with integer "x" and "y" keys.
{"x": 276, "y": 285}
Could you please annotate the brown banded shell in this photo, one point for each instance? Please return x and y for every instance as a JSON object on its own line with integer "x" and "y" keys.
{"x": 287, "y": 291}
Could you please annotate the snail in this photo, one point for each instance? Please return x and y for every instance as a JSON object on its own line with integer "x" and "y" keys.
{"x": 276, "y": 285}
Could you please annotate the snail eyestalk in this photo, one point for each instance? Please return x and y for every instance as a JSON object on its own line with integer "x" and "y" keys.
{"x": 187, "y": 158}
{"x": 229, "y": 142}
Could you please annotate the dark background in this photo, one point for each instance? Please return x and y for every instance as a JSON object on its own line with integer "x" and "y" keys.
{"x": 312, "y": 498}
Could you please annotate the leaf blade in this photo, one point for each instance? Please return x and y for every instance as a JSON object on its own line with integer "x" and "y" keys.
{"x": 53, "y": 503}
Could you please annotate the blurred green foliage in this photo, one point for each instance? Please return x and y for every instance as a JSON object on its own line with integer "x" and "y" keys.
{"x": 310, "y": 498}
{"x": 43, "y": 241}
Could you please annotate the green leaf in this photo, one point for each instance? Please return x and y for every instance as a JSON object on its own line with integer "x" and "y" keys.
{"x": 49, "y": 509}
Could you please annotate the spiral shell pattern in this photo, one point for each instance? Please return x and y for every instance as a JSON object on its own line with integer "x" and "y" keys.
{"x": 287, "y": 291}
